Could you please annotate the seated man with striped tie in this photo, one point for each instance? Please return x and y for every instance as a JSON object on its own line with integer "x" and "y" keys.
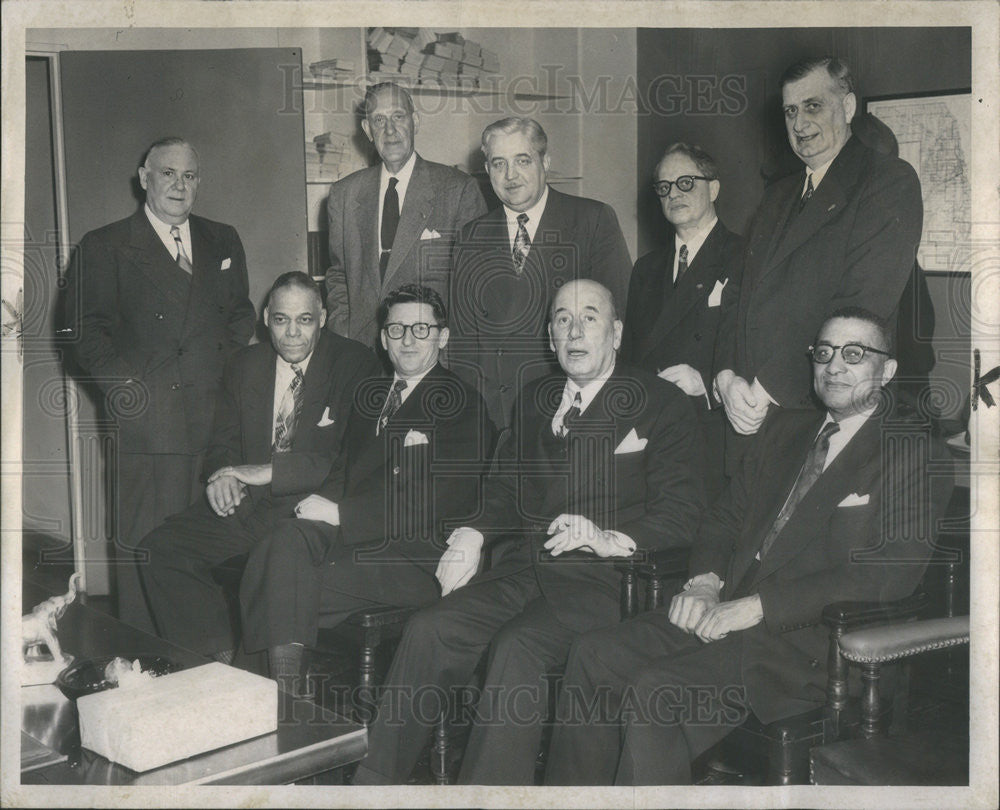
{"x": 601, "y": 459}
{"x": 279, "y": 422}
{"x": 416, "y": 447}
{"x": 828, "y": 507}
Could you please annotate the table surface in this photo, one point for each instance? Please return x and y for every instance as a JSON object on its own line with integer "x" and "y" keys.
{"x": 309, "y": 740}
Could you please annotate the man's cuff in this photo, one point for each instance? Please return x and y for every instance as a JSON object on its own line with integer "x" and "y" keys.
{"x": 463, "y": 533}
{"x": 622, "y": 542}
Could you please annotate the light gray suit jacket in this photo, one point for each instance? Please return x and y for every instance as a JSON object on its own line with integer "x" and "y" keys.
{"x": 439, "y": 201}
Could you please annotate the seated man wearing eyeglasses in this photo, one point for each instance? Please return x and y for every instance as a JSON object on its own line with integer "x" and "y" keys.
{"x": 415, "y": 448}
{"x": 828, "y": 507}
{"x": 675, "y": 294}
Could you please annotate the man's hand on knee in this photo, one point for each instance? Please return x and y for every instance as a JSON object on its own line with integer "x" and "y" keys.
{"x": 224, "y": 494}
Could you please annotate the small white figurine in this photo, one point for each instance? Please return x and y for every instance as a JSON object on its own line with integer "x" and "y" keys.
{"x": 38, "y": 628}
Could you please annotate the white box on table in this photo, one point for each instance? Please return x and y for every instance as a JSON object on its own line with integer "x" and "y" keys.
{"x": 177, "y": 716}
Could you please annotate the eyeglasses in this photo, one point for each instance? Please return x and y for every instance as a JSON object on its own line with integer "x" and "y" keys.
{"x": 419, "y": 330}
{"x": 851, "y": 352}
{"x": 685, "y": 183}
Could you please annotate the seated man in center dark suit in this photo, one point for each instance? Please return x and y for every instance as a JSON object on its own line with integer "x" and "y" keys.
{"x": 601, "y": 459}
{"x": 826, "y": 507}
{"x": 675, "y": 294}
{"x": 510, "y": 262}
{"x": 414, "y": 455}
{"x": 279, "y": 422}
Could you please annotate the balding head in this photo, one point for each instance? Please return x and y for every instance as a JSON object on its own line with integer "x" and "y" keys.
{"x": 584, "y": 330}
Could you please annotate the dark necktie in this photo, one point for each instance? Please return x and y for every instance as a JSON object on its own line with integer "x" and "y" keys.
{"x": 288, "y": 413}
{"x": 811, "y": 470}
{"x": 682, "y": 263}
{"x": 808, "y": 192}
{"x": 571, "y": 415}
{"x": 390, "y": 222}
{"x": 392, "y": 403}
{"x": 183, "y": 262}
{"x": 521, "y": 244}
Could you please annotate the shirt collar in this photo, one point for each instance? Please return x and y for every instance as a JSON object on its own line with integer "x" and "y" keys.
{"x": 694, "y": 243}
{"x": 534, "y": 213}
{"x": 163, "y": 228}
{"x": 588, "y": 391}
{"x": 817, "y": 174}
{"x": 411, "y": 382}
{"x": 284, "y": 368}
{"x": 402, "y": 176}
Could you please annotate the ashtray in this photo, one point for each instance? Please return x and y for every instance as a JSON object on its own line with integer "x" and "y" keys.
{"x": 86, "y": 676}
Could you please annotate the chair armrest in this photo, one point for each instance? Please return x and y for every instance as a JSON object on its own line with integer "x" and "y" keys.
{"x": 656, "y": 566}
{"x": 880, "y": 645}
{"x": 844, "y": 615}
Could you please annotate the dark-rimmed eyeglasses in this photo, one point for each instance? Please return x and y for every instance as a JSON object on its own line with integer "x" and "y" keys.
{"x": 419, "y": 330}
{"x": 851, "y": 352}
{"x": 685, "y": 183}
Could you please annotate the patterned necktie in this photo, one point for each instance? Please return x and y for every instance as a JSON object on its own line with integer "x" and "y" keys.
{"x": 808, "y": 192}
{"x": 571, "y": 415}
{"x": 811, "y": 470}
{"x": 392, "y": 403}
{"x": 521, "y": 244}
{"x": 682, "y": 263}
{"x": 390, "y": 222}
{"x": 288, "y": 413}
{"x": 183, "y": 262}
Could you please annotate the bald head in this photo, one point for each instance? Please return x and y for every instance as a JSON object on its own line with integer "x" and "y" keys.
{"x": 584, "y": 330}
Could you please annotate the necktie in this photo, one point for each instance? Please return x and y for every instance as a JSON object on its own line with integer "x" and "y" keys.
{"x": 288, "y": 413}
{"x": 811, "y": 470}
{"x": 807, "y": 193}
{"x": 390, "y": 222}
{"x": 183, "y": 262}
{"x": 682, "y": 263}
{"x": 521, "y": 244}
{"x": 392, "y": 403}
{"x": 568, "y": 418}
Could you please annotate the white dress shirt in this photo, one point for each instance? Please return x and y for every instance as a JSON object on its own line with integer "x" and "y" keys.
{"x": 283, "y": 376}
{"x": 693, "y": 245}
{"x": 534, "y": 216}
{"x": 163, "y": 231}
{"x": 402, "y": 183}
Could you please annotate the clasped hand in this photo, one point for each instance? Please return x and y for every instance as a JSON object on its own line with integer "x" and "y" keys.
{"x": 746, "y": 405}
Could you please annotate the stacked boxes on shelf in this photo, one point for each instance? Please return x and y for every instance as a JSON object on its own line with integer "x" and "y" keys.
{"x": 421, "y": 56}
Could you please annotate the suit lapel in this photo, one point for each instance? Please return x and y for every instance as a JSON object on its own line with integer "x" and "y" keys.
{"x": 417, "y": 207}
{"x": 313, "y": 392}
{"x": 206, "y": 263}
{"x": 367, "y": 206}
{"x": 258, "y": 400}
{"x": 844, "y": 473}
{"x": 150, "y": 257}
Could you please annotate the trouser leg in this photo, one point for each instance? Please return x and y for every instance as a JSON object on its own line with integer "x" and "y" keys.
{"x": 507, "y": 728}
{"x": 149, "y": 488}
{"x": 189, "y": 606}
{"x": 439, "y": 651}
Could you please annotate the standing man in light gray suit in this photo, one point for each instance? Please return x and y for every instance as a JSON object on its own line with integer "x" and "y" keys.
{"x": 394, "y": 223}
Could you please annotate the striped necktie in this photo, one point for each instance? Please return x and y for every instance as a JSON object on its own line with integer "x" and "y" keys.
{"x": 288, "y": 413}
{"x": 183, "y": 262}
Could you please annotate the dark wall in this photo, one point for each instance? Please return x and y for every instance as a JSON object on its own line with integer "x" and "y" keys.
{"x": 719, "y": 88}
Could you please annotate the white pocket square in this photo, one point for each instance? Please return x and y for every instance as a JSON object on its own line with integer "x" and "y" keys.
{"x": 226, "y": 264}
{"x": 325, "y": 420}
{"x": 415, "y": 437}
{"x": 430, "y": 234}
{"x": 855, "y": 500}
{"x": 715, "y": 297}
{"x": 631, "y": 443}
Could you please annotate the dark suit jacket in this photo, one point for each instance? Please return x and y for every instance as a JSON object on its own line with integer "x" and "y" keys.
{"x": 665, "y": 325}
{"x": 438, "y": 198}
{"x": 398, "y": 502}
{"x": 853, "y": 244}
{"x": 154, "y": 339}
{"x": 828, "y": 551}
{"x": 498, "y": 318}
{"x": 244, "y": 415}
{"x": 654, "y": 494}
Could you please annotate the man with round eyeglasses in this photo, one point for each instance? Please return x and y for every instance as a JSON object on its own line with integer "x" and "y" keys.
{"x": 675, "y": 294}
{"x": 826, "y": 507}
{"x": 415, "y": 446}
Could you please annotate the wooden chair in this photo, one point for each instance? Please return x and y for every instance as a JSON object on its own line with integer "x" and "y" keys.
{"x": 924, "y": 758}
